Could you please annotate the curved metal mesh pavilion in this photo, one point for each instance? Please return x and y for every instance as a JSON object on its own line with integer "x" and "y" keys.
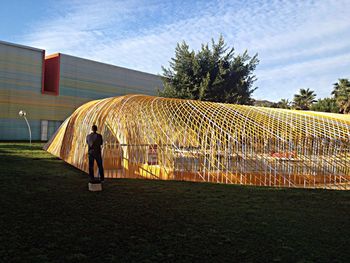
{"x": 160, "y": 138}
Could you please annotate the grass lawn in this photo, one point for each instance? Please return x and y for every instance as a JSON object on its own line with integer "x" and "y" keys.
{"x": 48, "y": 215}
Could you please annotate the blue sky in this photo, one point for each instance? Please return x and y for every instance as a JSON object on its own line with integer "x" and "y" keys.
{"x": 301, "y": 44}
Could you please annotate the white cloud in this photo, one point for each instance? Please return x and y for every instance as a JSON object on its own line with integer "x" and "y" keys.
{"x": 305, "y": 40}
{"x": 307, "y": 68}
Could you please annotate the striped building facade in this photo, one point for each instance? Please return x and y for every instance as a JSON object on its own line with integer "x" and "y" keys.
{"x": 50, "y": 88}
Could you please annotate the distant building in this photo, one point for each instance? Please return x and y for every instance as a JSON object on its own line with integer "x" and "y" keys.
{"x": 50, "y": 88}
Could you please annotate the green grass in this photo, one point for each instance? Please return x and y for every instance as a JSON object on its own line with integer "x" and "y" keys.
{"x": 48, "y": 215}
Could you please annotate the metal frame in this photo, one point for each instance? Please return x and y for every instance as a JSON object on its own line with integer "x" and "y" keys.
{"x": 210, "y": 142}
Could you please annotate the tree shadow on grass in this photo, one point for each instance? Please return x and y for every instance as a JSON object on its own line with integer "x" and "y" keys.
{"x": 50, "y": 216}
{"x": 21, "y": 146}
{"x": 32, "y": 159}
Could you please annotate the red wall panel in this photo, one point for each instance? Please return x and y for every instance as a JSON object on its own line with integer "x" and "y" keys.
{"x": 52, "y": 75}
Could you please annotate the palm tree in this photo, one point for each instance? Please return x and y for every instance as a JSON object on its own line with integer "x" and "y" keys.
{"x": 284, "y": 104}
{"x": 341, "y": 92}
{"x": 304, "y": 99}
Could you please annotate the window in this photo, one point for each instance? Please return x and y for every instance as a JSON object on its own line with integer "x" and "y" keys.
{"x": 48, "y": 129}
{"x": 44, "y": 129}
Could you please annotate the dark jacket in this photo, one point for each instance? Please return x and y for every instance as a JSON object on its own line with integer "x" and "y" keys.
{"x": 94, "y": 141}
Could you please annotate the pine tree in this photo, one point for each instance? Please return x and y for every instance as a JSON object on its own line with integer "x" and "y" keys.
{"x": 325, "y": 105}
{"x": 211, "y": 74}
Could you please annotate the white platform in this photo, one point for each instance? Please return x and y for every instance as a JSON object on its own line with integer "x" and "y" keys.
{"x": 95, "y": 187}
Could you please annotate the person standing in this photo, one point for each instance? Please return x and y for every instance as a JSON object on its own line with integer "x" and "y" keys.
{"x": 94, "y": 141}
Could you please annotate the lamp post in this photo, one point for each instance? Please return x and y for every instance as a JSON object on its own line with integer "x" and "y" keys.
{"x": 23, "y": 114}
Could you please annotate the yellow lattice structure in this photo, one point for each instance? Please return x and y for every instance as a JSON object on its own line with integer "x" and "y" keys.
{"x": 160, "y": 138}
